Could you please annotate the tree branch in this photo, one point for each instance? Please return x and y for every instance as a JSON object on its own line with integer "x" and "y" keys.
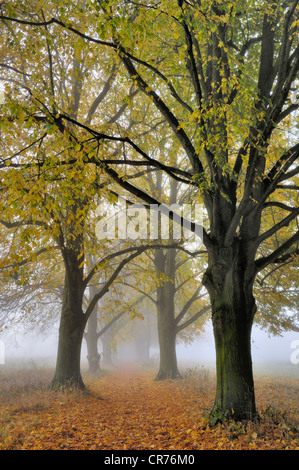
{"x": 59, "y": 23}
{"x": 194, "y": 227}
{"x": 281, "y": 205}
{"x": 283, "y": 223}
{"x": 192, "y": 65}
{"x": 101, "y": 95}
{"x": 278, "y": 171}
{"x": 274, "y": 257}
{"x": 165, "y": 111}
{"x": 34, "y": 255}
{"x": 192, "y": 320}
{"x": 138, "y": 251}
{"x": 22, "y": 223}
{"x": 187, "y": 305}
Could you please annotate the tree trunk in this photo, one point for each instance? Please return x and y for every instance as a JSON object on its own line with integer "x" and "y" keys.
{"x": 91, "y": 337}
{"x": 107, "y": 350}
{"x": 167, "y": 342}
{"x": 166, "y": 316}
{"x": 229, "y": 282}
{"x": 72, "y": 324}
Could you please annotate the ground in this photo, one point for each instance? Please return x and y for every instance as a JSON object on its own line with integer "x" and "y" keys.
{"x": 126, "y": 409}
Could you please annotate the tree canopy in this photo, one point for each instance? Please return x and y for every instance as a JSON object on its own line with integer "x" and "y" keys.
{"x": 202, "y": 91}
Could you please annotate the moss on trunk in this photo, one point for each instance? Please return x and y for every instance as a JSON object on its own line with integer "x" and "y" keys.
{"x": 229, "y": 282}
{"x": 235, "y": 386}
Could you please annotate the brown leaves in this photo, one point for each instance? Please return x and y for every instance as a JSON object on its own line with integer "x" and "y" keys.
{"x": 132, "y": 411}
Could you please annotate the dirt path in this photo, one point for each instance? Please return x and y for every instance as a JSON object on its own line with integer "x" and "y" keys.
{"x": 130, "y": 410}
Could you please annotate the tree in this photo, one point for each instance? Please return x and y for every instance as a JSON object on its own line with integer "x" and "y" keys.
{"x": 30, "y": 294}
{"x": 171, "y": 323}
{"x": 222, "y": 76}
{"x": 167, "y": 281}
{"x": 171, "y": 312}
{"x": 164, "y": 278}
{"x": 49, "y": 196}
{"x": 106, "y": 322}
{"x": 228, "y": 139}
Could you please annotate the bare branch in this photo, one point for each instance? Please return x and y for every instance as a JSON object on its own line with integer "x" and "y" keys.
{"x": 281, "y": 205}
{"x": 193, "y": 318}
{"x": 276, "y": 255}
{"x": 101, "y": 95}
{"x": 278, "y": 171}
{"x": 187, "y": 305}
{"x": 283, "y": 223}
{"x": 136, "y": 252}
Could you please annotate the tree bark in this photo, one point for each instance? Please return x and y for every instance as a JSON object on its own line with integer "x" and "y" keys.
{"x": 167, "y": 341}
{"x": 229, "y": 280}
{"x": 72, "y": 324}
{"x": 165, "y": 264}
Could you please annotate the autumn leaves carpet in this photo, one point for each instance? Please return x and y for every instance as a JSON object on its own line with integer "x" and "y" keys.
{"x": 128, "y": 410}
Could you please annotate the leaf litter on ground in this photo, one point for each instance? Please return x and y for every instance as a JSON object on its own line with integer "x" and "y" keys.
{"x": 128, "y": 409}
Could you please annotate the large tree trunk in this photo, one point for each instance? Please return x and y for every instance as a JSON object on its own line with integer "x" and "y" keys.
{"x": 235, "y": 387}
{"x": 229, "y": 282}
{"x": 72, "y": 324}
{"x": 165, "y": 264}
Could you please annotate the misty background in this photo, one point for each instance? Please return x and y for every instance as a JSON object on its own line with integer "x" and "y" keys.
{"x": 272, "y": 355}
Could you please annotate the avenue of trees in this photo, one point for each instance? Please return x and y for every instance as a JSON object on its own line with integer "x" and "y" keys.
{"x": 103, "y": 98}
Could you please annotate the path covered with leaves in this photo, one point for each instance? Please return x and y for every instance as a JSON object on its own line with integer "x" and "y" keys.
{"x": 129, "y": 410}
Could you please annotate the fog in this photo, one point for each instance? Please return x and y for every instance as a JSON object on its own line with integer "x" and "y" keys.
{"x": 271, "y": 354}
